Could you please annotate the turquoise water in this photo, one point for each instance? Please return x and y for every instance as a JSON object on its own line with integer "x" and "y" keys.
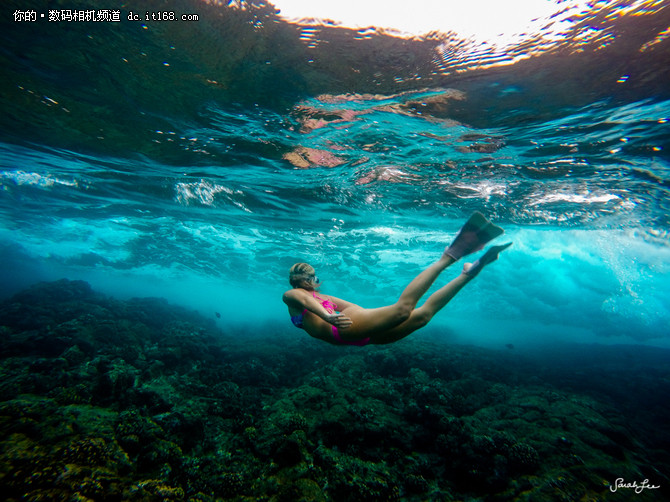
{"x": 198, "y": 161}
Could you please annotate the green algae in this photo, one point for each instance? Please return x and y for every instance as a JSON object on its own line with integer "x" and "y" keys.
{"x": 141, "y": 400}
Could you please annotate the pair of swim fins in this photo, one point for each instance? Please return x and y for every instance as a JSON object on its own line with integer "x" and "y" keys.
{"x": 476, "y": 232}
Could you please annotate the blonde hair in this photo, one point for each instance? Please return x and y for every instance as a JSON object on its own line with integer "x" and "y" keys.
{"x": 302, "y": 275}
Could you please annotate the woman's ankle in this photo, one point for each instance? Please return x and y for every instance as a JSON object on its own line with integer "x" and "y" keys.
{"x": 445, "y": 261}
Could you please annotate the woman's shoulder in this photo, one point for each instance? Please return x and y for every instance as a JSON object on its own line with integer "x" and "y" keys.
{"x": 295, "y": 293}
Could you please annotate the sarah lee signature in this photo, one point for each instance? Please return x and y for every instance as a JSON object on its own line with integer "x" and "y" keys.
{"x": 638, "y": 487}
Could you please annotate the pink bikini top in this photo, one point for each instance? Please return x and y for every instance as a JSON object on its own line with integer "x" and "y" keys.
{"x": 330, "y": 307}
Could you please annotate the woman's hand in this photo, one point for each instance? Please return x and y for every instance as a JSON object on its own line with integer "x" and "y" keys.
{"x": 339, "y": 320}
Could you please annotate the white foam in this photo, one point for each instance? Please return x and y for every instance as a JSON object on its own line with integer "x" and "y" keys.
{"x": 37, "y": 179}
{"x": 575, "y": 198}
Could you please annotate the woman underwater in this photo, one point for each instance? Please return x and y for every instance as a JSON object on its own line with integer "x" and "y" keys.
{"x": 340, "y": 322}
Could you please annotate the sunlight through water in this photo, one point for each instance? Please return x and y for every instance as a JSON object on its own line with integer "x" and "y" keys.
{"x": 200, "y": 161}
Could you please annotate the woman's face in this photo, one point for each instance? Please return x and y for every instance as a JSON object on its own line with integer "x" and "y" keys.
{"x": 311, "y": 282}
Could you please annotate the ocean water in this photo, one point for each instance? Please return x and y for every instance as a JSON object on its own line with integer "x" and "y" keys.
{"x": 199, "y": 160}
{"x": 187, "y": 162}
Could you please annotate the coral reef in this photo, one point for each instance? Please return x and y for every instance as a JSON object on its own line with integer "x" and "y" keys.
{"x": 102, "y": 399}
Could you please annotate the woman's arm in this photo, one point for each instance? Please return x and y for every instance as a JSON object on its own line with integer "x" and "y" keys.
{"x": 300, "y": 299}
{"x": 341, "y": 304}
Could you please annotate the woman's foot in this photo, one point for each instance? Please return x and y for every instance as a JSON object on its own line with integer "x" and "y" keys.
{"x": 476, "y": 232}
{"x": 490, "y": 256}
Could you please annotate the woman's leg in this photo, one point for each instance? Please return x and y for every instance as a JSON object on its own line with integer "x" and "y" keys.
{"x": 476, "y": 232}
{"x": 422, "y": 315}
{"x": 367, "y": 321}
{"x": 435, "y": 302}
{"x": 422, "y": 282}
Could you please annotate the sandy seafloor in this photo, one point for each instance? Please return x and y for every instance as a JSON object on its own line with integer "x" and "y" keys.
{"x": 103, "y": 399}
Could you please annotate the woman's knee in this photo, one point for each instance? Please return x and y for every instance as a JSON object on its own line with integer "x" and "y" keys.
{"x": 421, "y": 317}
{"x": 403, "y": 311}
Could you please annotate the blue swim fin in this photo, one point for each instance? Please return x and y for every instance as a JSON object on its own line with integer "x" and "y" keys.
{"x": 476, "y": 232}
{"x": 490, "y": 256}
